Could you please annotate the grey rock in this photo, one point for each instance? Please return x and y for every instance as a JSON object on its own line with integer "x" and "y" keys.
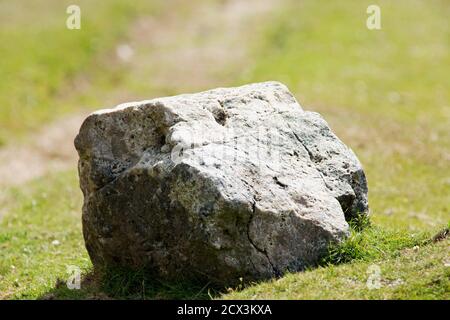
{"x": 218, "y": 185}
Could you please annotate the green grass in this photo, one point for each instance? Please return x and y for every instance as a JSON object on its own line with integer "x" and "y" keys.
{"x": 36, "y": 216}
{"x": 410, "y": 274}
{"x": 326, "y": 54}
{"x": 385, "y": 93}
{"x": 371, "y": 243}
{"x": 405, "y": 266}
{"x": 33, "y": 267}
{"x": 45, "y": 67}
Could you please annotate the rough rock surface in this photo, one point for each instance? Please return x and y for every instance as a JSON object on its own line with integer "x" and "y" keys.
{"x": 218, "y": 185}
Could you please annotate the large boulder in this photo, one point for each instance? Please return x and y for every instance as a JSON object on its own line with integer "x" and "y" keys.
{"x": 217, "y": 185}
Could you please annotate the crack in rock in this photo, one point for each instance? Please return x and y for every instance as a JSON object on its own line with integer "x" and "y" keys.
{"x": 276, "y": 272}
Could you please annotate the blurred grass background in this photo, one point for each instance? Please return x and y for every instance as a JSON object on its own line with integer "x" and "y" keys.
{"x": 44, "y": 65}
{"x": 385, "y": 93}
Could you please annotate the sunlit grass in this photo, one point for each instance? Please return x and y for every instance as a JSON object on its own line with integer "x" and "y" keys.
{"x": 40, "y": 235}
{"x": 414, "y": 273}
{"x": 42, "y": 61}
